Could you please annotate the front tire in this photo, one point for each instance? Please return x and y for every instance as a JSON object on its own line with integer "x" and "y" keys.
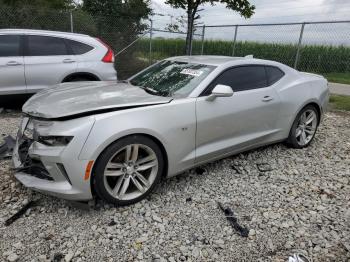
{"x": 304, "y": 127}
{"x": 128, "y": 170}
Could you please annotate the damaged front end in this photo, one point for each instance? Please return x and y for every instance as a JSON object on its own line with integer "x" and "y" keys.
{"x": 23, "y": 162}
{"x": 30, "y": 165}
{"x": 47, "y": 160}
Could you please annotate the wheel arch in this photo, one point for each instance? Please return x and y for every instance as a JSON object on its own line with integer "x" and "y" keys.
{"x": 308, "y": 103}
{"x": 153, "y": 138}
{"x": 311, "y": 102}
{"x": 89, "y": 76}
{"x": 318, "y": 108}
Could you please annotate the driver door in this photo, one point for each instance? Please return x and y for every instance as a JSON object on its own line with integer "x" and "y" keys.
{"x": 246, "y": 119}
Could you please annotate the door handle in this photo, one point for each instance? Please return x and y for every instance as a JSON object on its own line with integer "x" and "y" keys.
{"x": 267, "y": 98}
{"x": 13, "y": 63}
{"x": 68, "y": 60}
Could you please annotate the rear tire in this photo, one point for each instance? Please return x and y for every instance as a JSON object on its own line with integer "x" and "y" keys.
{"x": 128, "y": 170}
{"x": 304, "y": 127}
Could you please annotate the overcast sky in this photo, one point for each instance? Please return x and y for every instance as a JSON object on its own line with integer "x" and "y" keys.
{"x": 266, "y": 11}
{"x": 269, "y": 11}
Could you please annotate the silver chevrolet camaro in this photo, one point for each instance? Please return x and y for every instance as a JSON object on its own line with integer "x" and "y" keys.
{"x": 117, "y": 140}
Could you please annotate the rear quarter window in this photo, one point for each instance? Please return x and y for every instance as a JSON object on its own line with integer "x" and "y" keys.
{"x": 78, "y": 48}
{"x": 274, "y": 74}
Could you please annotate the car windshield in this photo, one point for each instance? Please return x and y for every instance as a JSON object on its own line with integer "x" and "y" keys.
{"x": 172, "y": 78}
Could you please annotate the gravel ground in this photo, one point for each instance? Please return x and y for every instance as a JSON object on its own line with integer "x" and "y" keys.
{"x": 301, "y": 205}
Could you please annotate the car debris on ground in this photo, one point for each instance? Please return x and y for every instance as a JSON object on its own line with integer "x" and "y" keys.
{"x": 242, "y": 231}
{"x": 298, "y": 258}
{"x": 20, "y": 212}
{"x": 6, "y": 147}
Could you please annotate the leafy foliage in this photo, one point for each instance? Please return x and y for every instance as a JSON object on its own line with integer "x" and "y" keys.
{"x": 119, "y": 23}
{"x": 243, "y": 7}
{"x": 54, "y": 4}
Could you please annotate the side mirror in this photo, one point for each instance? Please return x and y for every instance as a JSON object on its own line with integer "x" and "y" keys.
{"x": 220, "y": 91}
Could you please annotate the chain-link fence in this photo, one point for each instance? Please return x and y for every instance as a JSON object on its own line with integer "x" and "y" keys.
{"x": 321, "y": 47}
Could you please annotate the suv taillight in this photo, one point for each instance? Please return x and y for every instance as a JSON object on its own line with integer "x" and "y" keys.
{"x": 109, "y": 56}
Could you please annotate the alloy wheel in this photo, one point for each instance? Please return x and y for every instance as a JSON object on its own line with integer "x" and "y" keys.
{"x": 131, "y": 171}
{"x": 306, "y": 127}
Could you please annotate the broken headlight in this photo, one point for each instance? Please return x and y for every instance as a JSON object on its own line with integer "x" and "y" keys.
{"x": 29, "y": 130}
{"x": 55, "y": 140}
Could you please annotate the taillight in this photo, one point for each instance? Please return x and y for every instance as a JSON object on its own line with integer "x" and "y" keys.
{"x": 109, "y": 56}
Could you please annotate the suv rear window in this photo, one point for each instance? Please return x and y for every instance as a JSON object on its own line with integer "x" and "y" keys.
{"x": 10, "y": 45}
{"x": 46, "y": 46}
{"x": 78, "y": 48}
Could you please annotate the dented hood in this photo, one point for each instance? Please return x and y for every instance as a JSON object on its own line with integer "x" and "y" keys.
{"x": 83, "y": 98}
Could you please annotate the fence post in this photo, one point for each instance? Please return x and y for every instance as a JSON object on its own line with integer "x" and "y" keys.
{"x": 191, "y": 42}
{"x": 234, "y": 40}
{"x": 150, "y": 42}
{"x": 299, "y": 46}
{"x": 203, "y": 32}
{"x": 71, "y": 21}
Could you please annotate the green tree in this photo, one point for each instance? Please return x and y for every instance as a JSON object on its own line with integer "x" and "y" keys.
{"x": 52, "y": 4}
{"x": 119, "y": 22}
{"x": 243, "y": 7}
{"x": 36, "y": 14}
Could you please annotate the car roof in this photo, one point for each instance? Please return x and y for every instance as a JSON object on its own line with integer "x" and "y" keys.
{"x": 205, "y": 59}
{"x": 43, "y": 32}
{"x": 221, "y": 60}
{"x": 227, "y": 61}
{"x": 212, "y": 59}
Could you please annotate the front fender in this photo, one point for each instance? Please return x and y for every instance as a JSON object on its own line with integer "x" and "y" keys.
{"x": 173, "y": 124}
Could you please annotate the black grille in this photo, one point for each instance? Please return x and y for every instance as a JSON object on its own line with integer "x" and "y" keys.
{"x": 31, "y": 166}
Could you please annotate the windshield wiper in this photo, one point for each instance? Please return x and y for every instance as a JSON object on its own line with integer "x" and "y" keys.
{"x": 124, "y": 81}
{"x": 150, "y": 91}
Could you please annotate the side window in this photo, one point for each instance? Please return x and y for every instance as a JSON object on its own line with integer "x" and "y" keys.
{"x": 273, "y": 74}
{"x": 10, "y": 45}
{"x": 243, "y": 78}
{"x": 45, "y": 46}
{"x": 78, "y": 48}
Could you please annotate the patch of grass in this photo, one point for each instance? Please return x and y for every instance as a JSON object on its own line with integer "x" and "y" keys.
{"x": 342, "y": 78}
{"x": 340, "y": 102}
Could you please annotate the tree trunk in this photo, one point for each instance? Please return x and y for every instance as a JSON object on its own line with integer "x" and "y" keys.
{"x": 190, "y": 19}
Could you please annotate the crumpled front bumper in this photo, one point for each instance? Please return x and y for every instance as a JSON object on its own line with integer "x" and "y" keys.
{"x": 57, "y": 170}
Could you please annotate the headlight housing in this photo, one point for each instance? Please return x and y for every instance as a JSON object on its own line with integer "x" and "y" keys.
{"x": 55, "y": 140}
{"x": 29, "y": 131}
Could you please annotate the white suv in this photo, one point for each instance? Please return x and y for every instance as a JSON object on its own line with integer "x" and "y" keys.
{"x": 31, "y": 60}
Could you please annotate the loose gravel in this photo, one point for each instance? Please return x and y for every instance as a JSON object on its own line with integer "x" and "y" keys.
{"x": 293, "y": 201}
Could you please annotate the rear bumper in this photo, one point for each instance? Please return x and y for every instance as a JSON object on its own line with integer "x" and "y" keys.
{"x": 324, "y": 103}
{"x": 55, "y": 171}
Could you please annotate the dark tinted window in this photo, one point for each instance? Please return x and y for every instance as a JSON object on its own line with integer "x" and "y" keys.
{"x": 243, "y": 78}
{"x": 78, "y": 48}
{"x": 9, "y": 45}
{"x": 46, "y": 46}
{"x": 273, "y": 74}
